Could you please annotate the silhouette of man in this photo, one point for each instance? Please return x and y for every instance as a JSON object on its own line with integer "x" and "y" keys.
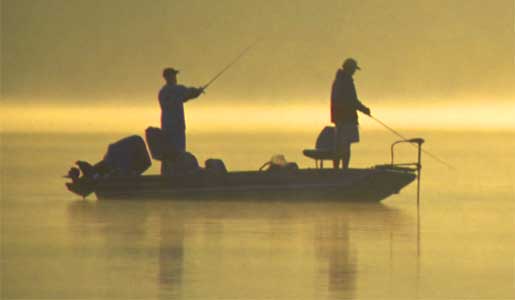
{"x": 344, "y": 104}
{"x": 171, "y": 99}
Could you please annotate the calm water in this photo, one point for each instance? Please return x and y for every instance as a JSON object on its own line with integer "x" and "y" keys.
{"x": 57, "y": 246}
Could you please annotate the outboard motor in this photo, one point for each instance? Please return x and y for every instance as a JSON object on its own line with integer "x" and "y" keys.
{"x": 128, "y": 156}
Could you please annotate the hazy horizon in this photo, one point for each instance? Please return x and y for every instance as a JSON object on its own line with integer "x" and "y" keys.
{"x": 205, "y": 115}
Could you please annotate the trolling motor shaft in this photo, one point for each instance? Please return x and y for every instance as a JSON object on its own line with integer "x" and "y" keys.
{"x": 418, "y": 164}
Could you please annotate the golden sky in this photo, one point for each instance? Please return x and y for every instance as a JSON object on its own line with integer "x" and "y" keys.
{"x": 413, "y": 53}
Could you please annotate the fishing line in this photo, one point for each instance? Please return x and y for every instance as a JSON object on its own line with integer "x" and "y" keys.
{"x": 405, "y": 139}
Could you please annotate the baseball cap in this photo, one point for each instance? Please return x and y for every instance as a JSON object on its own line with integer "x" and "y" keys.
{"x": 169, "y": 71}
{"x": 351, "y": 63}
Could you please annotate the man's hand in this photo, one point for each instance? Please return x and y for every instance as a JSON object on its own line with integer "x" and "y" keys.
{"x": 198, "y": 91}
{"x": 366, "y": 111}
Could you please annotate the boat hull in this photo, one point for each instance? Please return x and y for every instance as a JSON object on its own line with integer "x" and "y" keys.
{"x": 372, "y": 184}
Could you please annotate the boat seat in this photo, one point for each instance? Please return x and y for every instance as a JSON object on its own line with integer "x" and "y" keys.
{"x": 324, "y": 147}
{"x": 160, "y": 145}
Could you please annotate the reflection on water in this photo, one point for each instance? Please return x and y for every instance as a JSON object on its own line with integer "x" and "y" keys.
{"x": 171, "y": 255}
{"x": 232, "y": 249}
{"x": 55, "y": 246}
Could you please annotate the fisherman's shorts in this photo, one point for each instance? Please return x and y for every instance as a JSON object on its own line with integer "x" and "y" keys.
{"x": 345, "y": 134}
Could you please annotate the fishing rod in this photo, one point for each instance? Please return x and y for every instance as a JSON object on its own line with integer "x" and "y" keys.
{"x": 229, "y": 65}
{"x": 406, "y": 139}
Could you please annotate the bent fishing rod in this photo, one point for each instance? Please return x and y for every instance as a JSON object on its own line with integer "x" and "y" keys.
{"x": 229, "y": 65}
{"x": 407, "y": 140}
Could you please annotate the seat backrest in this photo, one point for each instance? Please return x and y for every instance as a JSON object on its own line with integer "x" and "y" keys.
{"x": 160, "y": 144}
{"x": 215, "y": 166}
{"x": 325, "y": 139}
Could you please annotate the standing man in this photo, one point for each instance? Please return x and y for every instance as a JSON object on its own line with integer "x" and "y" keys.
{"x": 344, "y": 104}
{"x": 171, "y": 99}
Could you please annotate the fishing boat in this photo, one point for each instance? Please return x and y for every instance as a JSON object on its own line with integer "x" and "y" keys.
{"x": 365, "y": 184}
{"x": 118, "y": 176}
{"x": 373, "y": 184}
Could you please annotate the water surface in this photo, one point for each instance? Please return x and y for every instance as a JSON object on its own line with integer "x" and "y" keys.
{"x": 460, "y": 245}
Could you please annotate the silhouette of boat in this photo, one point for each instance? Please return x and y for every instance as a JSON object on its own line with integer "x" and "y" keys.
{"x": 372, "y": 184}
{"x": 367, "y": 184}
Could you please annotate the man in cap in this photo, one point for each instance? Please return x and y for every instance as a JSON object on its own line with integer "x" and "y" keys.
{"x": 344, "y": 104}
{"x": 171, "y": 99}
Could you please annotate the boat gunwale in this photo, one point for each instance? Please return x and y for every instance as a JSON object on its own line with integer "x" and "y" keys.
{"x": 306, "y": 171}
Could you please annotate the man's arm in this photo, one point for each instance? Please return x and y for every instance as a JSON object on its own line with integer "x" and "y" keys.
{"x": 192, "y": 93}
{"x": 353, "y": 95}
{"x": 353, "y": 98}
{"x": 362, "y": 108}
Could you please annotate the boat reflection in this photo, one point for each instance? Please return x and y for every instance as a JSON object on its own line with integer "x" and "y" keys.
{"x": 233, "y": 249}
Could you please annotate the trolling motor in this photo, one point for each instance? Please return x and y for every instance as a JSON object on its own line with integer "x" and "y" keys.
{"x": 417, "y": 165}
